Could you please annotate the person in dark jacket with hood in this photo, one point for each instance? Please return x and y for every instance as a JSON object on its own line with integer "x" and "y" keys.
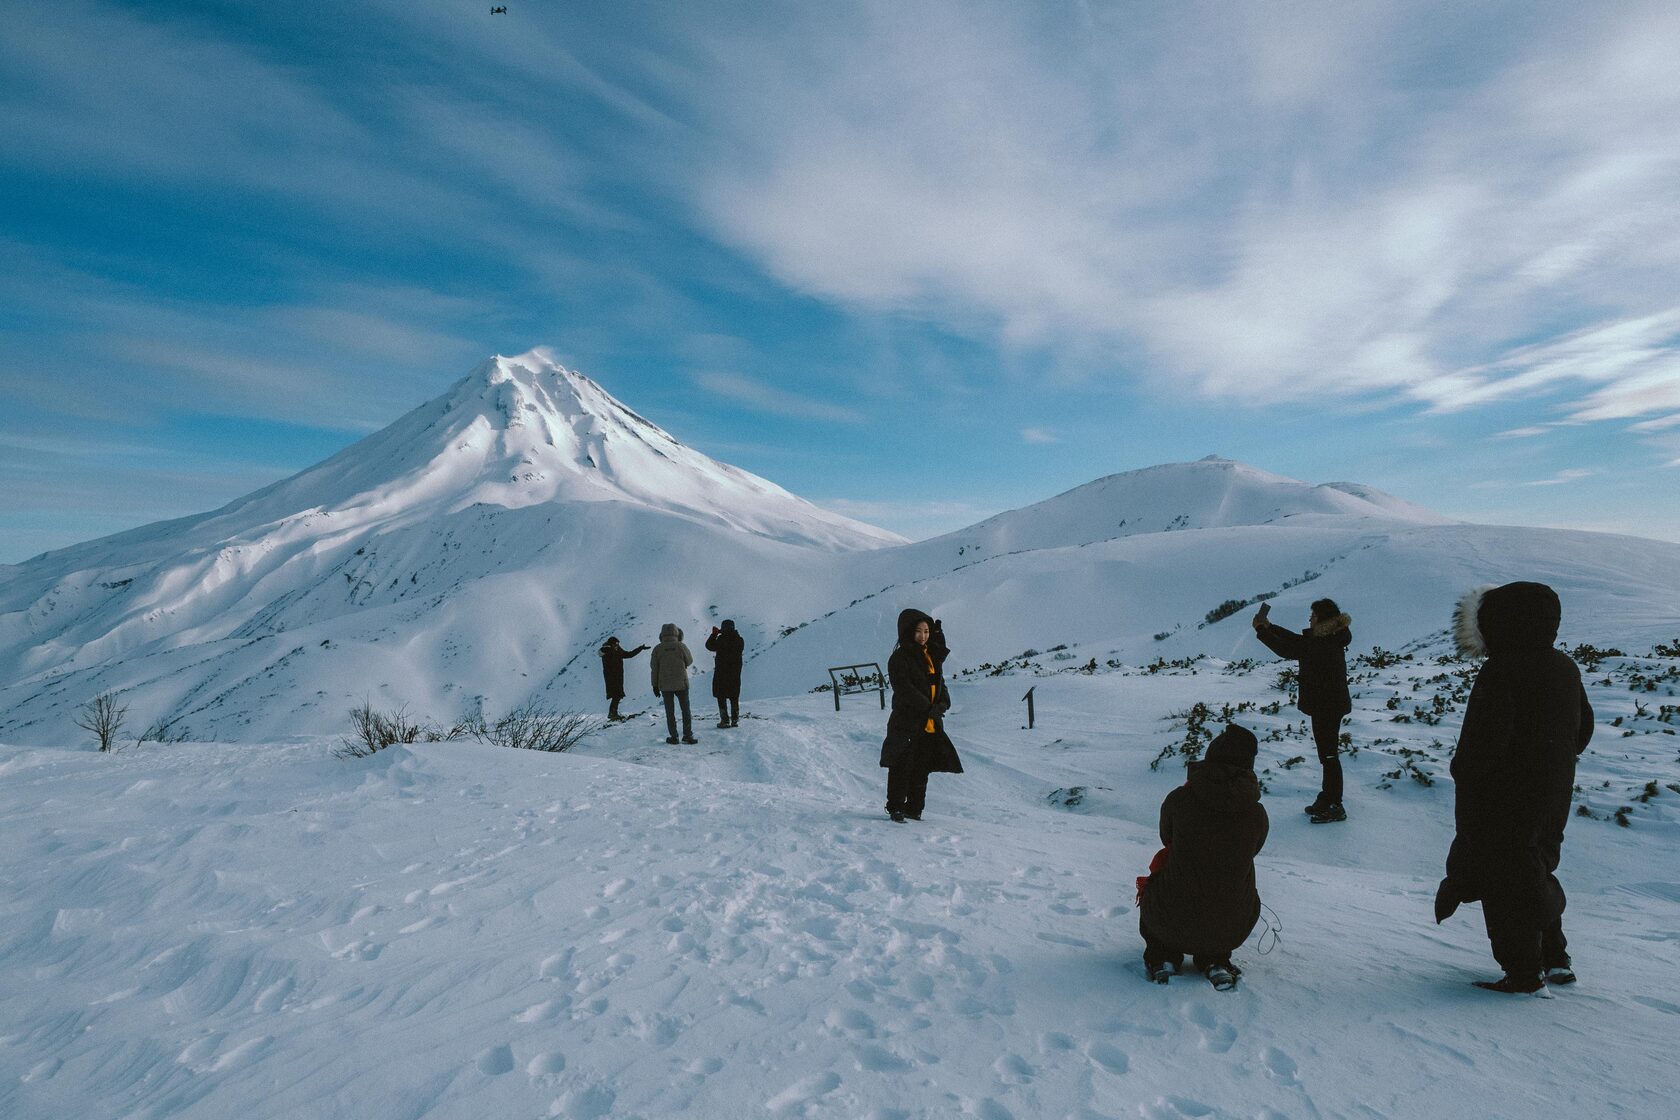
{"x": 1202, "y": 900}
{"x": 1322, "y": 690}
{"x": 613, "y": 656}
{"x": 1514, "y": 771}
{"x": 727, "y": 643}
{"x": 916, "y": 744}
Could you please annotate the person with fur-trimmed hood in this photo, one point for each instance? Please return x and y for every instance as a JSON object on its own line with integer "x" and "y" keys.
{"x": 613, "y": 656}
{"x": 669, "y": 664}
{"x": 1201, "y": 898}
{"x": 1514, "y": 771}
{"x": 727, "y": 643}
{"x": 1322, "y": 692}
{"x": 916, "y": 744}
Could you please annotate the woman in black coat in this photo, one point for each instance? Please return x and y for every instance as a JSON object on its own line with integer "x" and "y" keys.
{"x": 1322, "y": 690}
{"x": 613, "y": 656}
{"x": 727, "y": 643}
{"x": 916, "y": 744}
{"x": 1202, "y": 900}
{"x": 1514, "y": 772}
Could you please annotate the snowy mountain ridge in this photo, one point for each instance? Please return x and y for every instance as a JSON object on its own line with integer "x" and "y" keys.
{"x": 473, "y": 554}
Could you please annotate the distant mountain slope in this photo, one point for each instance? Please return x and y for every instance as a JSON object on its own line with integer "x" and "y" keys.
{"x": 1209, "y": 493}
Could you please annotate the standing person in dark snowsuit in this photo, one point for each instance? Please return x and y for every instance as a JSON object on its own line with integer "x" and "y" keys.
{"x": 1514, "y": 769}
{"x": 613, "y": 656}
{"x": 916, "y": 744}
{"x": 669, "y": 663}
{"x": 1202, "y": 899}
{"x": 1322, "y": 690}
{"x": 727, "y": 643}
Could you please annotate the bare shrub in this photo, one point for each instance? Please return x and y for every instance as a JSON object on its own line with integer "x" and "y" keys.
{"x": 531, "y": 727}
{"x": 164, "y": 729}
{"x": 371, "y": 731}
{"x": 103, "y": 717}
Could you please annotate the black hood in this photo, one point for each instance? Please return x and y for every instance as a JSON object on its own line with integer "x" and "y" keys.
{"x": 907, "y": 620}
{"x": 1223, "y": 788}
{"x": 729, "y": 625}
{"x": 1519, "y": 617}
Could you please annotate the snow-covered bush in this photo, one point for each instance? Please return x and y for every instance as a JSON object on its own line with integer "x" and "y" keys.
{"x": 372, "y": 731}
{"x": 532, "y": 727}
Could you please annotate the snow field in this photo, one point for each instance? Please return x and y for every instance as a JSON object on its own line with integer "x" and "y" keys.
{"x": 734, "y": 929}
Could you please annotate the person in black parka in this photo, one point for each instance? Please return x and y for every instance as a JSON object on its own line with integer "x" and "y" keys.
{"x": 916, "y": 744}
{"x": 613, "y": 656}
{"x": 727, "y": 643}
{"x": 1514, "y": 769}
{"x": 1322, "y": 690}
{"x": 1203, "y": 901}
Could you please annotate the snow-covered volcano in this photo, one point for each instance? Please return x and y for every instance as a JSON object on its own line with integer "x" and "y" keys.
{"x": 475, "y": 542}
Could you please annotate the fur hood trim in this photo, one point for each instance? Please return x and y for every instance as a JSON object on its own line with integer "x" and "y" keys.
{"x": 1466, "y": 630}
{"x": 1331, "y": 626}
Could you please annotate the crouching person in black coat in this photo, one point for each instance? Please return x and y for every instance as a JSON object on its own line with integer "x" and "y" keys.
{"x": 1202, "y": 899}
{"x": 1514, "y": 771}
{"x": 916, "y": 744}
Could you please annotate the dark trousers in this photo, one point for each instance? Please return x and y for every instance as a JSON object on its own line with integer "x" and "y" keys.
{"x": 671, "y": 700}
{"x": 1157, "y": 953}
{"x": 612, "y": 708}
{"x": 1327, "y": 733}
{"x": 729, "y": 708}
{"x": 906, "y": 790}
{"x": 1524, "y": 943}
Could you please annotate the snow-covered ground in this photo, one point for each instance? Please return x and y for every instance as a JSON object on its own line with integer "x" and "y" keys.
{"x": 734, "y": 929}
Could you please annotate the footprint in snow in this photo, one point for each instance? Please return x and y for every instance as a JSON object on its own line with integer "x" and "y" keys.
{"x": 1012, "y": 1069}
{"x": 496, "y": 1061}
{"x": 1217, "y": 1037}
{"x": 1109, "y": 1057}
{"x": 546, "y": 1065}
{"x": 1175, "y": 1108}
{"x": 803, "y": 1091}
{"x": 1280, "y": 1067}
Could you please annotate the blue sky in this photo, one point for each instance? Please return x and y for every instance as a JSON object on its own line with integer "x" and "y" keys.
{"x": 916, "y": 261}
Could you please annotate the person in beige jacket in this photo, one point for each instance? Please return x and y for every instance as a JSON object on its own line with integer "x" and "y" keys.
{"x": 669, "y": 664}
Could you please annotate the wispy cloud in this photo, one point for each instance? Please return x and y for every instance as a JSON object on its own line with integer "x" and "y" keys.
{"x": 1573, "y": 474}
{"x": 1524, "y": 433}
{"x": 776, "y": 402}
{"x": 1403, "y": 214}
{"x": 1039, "y": 435}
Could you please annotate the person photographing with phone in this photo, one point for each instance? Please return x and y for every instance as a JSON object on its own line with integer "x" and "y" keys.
{"x": 727, "y": 643}
{"x": 1322, "y": 690}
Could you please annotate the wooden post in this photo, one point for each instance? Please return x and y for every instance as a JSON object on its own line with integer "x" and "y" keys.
{"x": 1029, "y": 699}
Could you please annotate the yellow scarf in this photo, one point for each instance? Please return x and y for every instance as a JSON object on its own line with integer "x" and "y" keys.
{"x": 933, "y": 689}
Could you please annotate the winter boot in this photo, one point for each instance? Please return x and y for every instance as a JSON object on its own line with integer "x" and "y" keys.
{"x": 1316, "y": 806}
{"x": 672, "y": 740}
{"x": 1329, "y": 814}
{"x": 723, "y": 725}
{"x": 897, "y": 816}
{"x": 1560, "y": 974}
{"x": 1223, "y": 976}
{"x": 1516, "y": 985}
{"x": 1158, "y": 972}
{"x": 690, "y": 740}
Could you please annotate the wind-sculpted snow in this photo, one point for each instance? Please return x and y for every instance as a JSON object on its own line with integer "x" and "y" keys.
{"x": 453, "y": 930}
